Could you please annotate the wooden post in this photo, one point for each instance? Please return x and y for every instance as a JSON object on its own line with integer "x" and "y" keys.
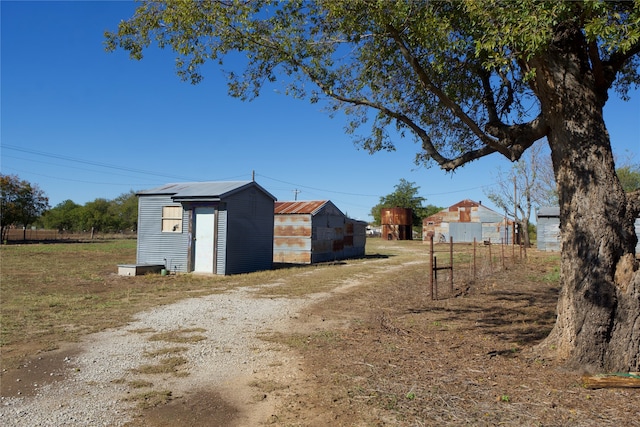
{"x": 502, "y": 247}
{"x": 451, "y": 265}
{"x": 520, "y": 249}
{"x": 435, "y": 278}
{"x": 431, "y": 265}
{"x": 474, "y": 258}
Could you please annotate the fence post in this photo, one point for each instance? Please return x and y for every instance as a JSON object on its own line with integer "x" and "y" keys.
{"x": 451, "y": 265}
{"x": 474, "y": 258}
{"x": 435, "y": 277}
{"x": 431, "y": 265}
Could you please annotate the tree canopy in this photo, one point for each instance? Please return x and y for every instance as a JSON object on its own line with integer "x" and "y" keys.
{"x": 21, "y": 202}
{"x": 629, "y": 177}
{"x": 405, "y": 196}
{"x": 459, "y": 77}
{"x": 464, "y": 79}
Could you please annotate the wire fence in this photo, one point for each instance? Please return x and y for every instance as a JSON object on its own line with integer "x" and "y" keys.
{"x": 32, "y": 235}
{"x": 452, "y": 266}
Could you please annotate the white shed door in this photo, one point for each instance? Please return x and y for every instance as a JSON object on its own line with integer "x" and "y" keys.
{"x": 204, "y": 240}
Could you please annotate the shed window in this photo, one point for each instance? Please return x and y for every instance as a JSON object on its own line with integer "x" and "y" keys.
{"x": 172, "y": 219}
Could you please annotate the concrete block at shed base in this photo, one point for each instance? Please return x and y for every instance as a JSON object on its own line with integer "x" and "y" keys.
{"x": 138, "y": 269}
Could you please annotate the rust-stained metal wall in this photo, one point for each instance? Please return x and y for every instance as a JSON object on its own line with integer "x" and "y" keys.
{"x": 465, "y": 221}
{"x": 396, "y": 223}
{"x": 315, "y": 231}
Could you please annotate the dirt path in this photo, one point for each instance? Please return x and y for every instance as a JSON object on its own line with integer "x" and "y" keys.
{"x": 198, "y": 361}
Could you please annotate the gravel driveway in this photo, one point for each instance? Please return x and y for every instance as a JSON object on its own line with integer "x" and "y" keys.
{"x": 96, "y": 381}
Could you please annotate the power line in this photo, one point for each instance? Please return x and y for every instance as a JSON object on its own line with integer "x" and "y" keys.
{"x": 164, "y": 175}
{"x": 94, "y": 163}
{"x": 102, "y": 165}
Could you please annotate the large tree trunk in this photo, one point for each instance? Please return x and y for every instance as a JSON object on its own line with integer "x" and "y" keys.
{"x": 598, "y": 323}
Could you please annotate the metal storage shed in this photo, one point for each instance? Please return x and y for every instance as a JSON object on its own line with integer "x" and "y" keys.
{"x": 308, "y": 232}
{"x": 206, "y": 227}
{"x": 465, "y": 221}
{"x": 548, "y": 223}
{"x": 548, "y": 228}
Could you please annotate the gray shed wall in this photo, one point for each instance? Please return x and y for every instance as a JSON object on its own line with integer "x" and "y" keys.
{"x": 549, "y": 238}
{"x": 249, "y": 234}
{"x": 154, "y": 246}
{"x": 548, "y": 234}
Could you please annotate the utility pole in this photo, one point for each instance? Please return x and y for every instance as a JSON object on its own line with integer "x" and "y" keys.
{"x": 295, "y": 194}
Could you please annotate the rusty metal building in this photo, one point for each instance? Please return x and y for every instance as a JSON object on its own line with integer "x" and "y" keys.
{"x": 397, "y": 223}
{"x": 308, "y": 232}
{"x": 467, "y": 220}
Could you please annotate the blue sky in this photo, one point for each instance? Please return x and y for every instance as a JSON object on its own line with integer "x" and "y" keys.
{"x": 83, "y": 124}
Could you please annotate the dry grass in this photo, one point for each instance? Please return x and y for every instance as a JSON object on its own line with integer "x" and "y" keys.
{"x": 399, "y": 358}
{"x": 169, "y": 365}
{"x": 179, "y": 336}
{"x": 165, "y": 351}
{"x": 382, "y": 352}
{"x": 56, "y": 292}
{"x": 150, "y": 398}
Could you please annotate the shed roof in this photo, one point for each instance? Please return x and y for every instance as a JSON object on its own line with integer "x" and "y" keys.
{"x": 209, "y": 191}
{"x": 548, "y": 211}
{"x": 303, "y": 207}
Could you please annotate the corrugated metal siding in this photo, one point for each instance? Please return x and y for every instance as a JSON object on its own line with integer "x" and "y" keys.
{"x": 465, "y": 231}
{"x": 445, "y": 223}
{"x": 396, "y": 216}
{"x": 548, "y": 231}
{"x": 154, "y": 246}
{"x": 326, "y": 235}
{"x": 292, "y": 238}
{"x": 249, "y": 232}
{"x": 221, "y": 240}
{"x": 355, "y": 238}
{"x": 496, "y": 233}
{"x": 548, "y": 228}
{"x": 327, "y": 242}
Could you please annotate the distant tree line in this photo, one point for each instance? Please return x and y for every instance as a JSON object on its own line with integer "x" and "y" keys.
{"x": 100, "y": 215}
{"x": 23, "y": 205}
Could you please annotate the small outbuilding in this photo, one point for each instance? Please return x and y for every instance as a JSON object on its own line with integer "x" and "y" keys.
{"x": 548, "y": 229}
{"x": 465, "y": 221}
{"x": 308, "y": 232}
{"x": 206, "y": 227}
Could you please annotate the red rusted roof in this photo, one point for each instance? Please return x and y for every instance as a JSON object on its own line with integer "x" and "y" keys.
{"x": 307, "y": 207}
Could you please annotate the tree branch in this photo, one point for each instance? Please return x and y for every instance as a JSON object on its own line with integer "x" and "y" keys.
{"x": 450, "y": 104}
{"x": 519, "y": 136}
{"x": 616, "y": 62}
